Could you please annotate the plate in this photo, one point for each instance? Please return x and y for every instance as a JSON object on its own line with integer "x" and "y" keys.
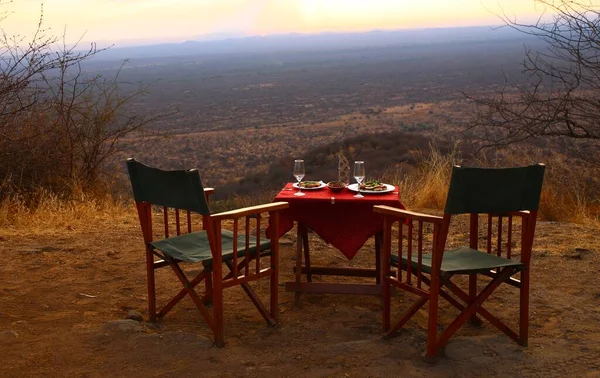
{"x": 388, "y": 188}
{"x": 321, "y": 186}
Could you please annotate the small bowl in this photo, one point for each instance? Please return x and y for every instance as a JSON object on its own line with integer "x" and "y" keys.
{"x": 336, "y": 186}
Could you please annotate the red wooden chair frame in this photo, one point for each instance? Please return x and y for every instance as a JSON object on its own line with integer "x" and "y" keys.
{"x": 243, "y": 261}
{"x": 429, "y": 278}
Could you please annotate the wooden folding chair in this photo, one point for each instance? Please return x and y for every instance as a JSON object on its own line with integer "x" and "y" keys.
{"x": 177, "y": 195}
{"x": 500, "y": 196}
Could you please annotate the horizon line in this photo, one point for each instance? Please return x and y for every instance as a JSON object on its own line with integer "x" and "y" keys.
{"x": 242, "y": 35}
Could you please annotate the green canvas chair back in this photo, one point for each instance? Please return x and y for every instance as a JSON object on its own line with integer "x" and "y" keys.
{"x": 179, "y": 189}
{"x": 494, "y": 190}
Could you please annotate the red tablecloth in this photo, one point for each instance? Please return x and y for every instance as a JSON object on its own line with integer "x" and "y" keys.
{"x": 338, "y": 218}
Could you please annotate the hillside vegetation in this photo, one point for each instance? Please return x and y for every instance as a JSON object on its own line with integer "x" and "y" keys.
{"x": 423, "y": 177}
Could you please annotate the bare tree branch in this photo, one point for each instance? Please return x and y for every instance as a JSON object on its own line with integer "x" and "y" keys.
{"x": 58, "y": 123}
{"x": 561, "y": 96}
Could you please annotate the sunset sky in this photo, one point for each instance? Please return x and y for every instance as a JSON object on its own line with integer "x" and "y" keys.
{"x": 137, "y": 21}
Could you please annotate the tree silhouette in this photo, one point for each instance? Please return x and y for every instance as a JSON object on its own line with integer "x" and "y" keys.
{"x": 58, "y": 123}
{"x": 560, "y": 97}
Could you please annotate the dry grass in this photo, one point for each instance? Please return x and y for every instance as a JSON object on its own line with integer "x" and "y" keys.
{"x": 569, "y": 195}
{"x": 49, "y": 212}
{"x": 571, "y": 187}
{"x": 568, "y": 203}
{"x": 236, "y": 202}
{"x": 428, "y": 186}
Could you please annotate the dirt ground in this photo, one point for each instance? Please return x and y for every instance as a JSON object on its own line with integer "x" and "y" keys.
{"x": 64, "y": 289}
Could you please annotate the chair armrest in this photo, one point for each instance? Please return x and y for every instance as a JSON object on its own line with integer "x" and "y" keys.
{"x": 209, "y": 191}
{"x": 238, "y": 213}
{"x": 400, "y": 213}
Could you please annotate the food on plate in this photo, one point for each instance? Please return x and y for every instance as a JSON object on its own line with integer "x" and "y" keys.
{"x": 374, "y": 185}
{"x": 310, "y": 184}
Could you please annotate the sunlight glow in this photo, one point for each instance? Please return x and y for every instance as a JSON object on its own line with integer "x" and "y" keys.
{"x": 166, "y": 20}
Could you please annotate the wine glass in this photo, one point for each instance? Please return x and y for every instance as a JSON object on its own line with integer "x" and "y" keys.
{"x": 359, "y": 175}
{"x": 299, "y": 174}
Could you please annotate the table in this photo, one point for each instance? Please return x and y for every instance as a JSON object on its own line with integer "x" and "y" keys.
{"x": 341, "y": 220}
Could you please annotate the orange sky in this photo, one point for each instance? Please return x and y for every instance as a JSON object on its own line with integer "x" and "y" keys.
{"x": 126, "y": 21}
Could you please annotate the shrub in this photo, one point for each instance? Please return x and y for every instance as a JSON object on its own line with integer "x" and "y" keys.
{"x": 58, "y": 124}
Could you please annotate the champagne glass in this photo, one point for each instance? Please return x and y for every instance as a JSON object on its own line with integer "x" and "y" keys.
{"x": 299, "y": 172}
{"x": 359, "y": 175}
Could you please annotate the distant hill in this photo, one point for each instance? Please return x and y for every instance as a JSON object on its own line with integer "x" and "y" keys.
{"x": 235, "y": 44}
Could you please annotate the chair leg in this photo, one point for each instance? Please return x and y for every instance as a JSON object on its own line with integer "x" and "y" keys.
{"x": 480, "y": 309}
{"x": 473, "y": 307}
{"x": 217, "y": 300}
{"x": 432, "y": 321}
{"x": 447, "y": 282}
{"x": 383, "y": 247}
{"x": 183, "y": 292}
{"x": 258, "y": 304}
{"x": 188, "y": 288}
{"x": 409, "y": 314}
{"x": 207, "y": 298}
{"x": 151, "y": 286}
{"x": 386, "y": 299}
{"x": 267, "y": 315}
{"x": 524, "y": 308}
{"x": 474, "y": 320}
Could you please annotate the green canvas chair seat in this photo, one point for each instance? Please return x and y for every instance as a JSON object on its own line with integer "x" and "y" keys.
{"x": 463, "y": 260}
{"x": 194, "y": 247}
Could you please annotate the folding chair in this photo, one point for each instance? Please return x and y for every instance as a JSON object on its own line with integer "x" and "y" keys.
{"x": 500, "y": 196}
{"x": 175, "y": 196}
